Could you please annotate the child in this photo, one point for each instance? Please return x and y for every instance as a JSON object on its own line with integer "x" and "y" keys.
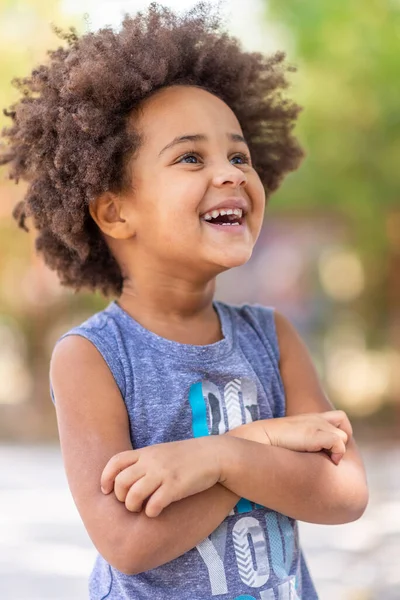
{"x": 147, "y": 153}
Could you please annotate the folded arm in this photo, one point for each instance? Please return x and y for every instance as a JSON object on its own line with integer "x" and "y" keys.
{"x": 93, "y": 427}
{"x": 305, "y": 486}
{"x": 308, "y": 487}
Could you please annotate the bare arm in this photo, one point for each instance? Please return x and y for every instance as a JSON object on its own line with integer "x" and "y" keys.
{"x": 305, "y": 486}
{"x": 93, "y": 426}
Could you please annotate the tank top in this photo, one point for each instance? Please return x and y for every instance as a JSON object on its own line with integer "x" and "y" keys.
{"x": 175, "y": 391}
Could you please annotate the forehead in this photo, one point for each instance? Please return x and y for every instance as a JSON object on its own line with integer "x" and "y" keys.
{"x": 182, "y": 110}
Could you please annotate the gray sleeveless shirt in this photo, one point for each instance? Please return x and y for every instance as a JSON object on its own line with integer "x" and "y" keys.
{"x": 176, "y": 391}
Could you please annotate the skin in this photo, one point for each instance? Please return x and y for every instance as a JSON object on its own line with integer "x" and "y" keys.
{"x": 169, "y": 278}
{"x": 170, "y": 258}
{"x": 166, "y": 473}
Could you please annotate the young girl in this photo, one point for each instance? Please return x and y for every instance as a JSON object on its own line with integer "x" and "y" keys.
{"x": 194, "y": 433}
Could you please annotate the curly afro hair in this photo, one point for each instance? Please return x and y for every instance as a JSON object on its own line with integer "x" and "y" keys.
{"x": 69, "y": 138}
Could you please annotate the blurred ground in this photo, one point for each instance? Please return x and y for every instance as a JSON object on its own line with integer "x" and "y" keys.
{"x": 45, "y": 553}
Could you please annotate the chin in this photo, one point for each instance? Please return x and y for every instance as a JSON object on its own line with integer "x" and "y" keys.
{"x": 236, "y": 259}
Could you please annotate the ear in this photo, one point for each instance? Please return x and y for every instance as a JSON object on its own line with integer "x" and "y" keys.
{"x": 113, "y": 215}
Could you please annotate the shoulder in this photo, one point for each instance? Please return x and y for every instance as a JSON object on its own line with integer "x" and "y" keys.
{"x": 303, "y": 389}
{"x": 96, "y": 323}
{"x": 261, "y": 319}
{"x": 287, "y": 336}
{"x": 95, "y": 343}
{"x": 271, "y": 322}
{"x": 75, "y": 357}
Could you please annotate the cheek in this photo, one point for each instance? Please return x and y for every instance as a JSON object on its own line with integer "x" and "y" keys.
{"x": 172, "y": 225}
{"x": 257, "y": 194}
{"x": 260, "y": 192}
{"x": 186, "y": 191}
{"x": 165, "y": 205}
{"x": 178, "y": 202}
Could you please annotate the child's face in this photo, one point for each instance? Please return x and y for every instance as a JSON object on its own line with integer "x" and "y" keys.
{"x": 192, "y": 162}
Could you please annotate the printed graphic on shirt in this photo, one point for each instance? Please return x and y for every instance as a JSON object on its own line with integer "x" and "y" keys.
{"x": 264, "y": 547}
{"x": 215, "y": 413}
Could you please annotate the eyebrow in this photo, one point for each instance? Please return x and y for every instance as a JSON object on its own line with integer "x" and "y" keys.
{"x": 198, "y": 137}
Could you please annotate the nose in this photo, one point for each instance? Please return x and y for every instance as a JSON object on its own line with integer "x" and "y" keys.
{"x": 229, "y": 176}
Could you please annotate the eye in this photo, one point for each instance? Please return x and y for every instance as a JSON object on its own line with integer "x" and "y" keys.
{"x": 190, "y": 158}
{"x": 243, "y": 159}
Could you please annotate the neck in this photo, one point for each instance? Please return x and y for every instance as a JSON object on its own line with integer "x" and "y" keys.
{"x": 173, "y": 308}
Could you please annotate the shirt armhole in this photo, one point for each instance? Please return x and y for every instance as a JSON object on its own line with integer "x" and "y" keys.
{"x": 110, "y": 358}
{"x": 264, "y": 318}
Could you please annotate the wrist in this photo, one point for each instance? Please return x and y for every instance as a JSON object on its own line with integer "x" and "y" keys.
{"x": 253, "y": 432}
{"x": 229, "y": 452}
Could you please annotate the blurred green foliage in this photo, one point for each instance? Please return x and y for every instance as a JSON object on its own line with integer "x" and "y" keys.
{"x": 347, "y": 53}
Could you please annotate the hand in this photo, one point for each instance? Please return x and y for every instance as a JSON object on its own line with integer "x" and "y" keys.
{"x": 312, "y": 432}
{"x": 163, "y": 473}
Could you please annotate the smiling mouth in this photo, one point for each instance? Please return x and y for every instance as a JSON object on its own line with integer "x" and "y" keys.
{"x": 229, "y": 217}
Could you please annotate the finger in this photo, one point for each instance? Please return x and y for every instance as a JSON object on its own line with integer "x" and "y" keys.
{"x": 335, "y": 445}
{"x": 336, "y": 457}
{"x": 158, "y": 501}
{"x": 139, "y": 491}
{"x": 126, "y": 479}
{"x": 339, "y": 419}
{"x": 327, "y": 440}
{"x": 336, "y": 431}
{"x": 115, "y": 465}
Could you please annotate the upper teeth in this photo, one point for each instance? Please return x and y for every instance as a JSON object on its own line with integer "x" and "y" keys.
{"x": 223, "y": 211}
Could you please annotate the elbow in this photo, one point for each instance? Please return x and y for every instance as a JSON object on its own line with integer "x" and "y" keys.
{"x": 127, "y": 569}
{"x": 121, "y": 555}
{"x": 133, "y": 558}
{"x": 128, "y": 542}
{"x": 359, "y": 505}
{"x": 136, "y": 566}
{"x": 124, "y": 562}
{"x": 351, "y": 505}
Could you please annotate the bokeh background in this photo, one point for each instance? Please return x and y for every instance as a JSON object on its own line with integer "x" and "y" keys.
{"x": 328, "y": 258}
